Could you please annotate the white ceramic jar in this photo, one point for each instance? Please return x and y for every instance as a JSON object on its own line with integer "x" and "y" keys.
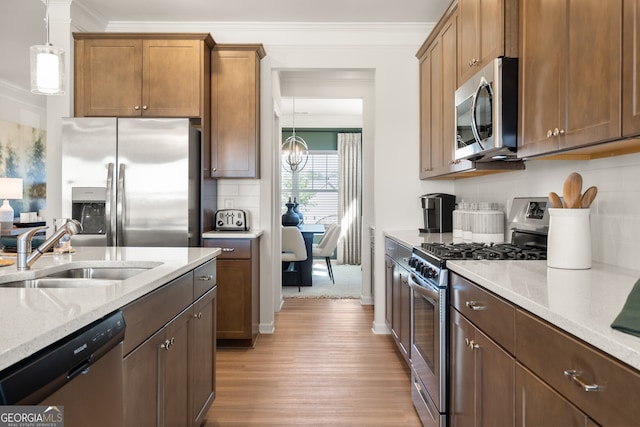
{"x": 569, "y": 240}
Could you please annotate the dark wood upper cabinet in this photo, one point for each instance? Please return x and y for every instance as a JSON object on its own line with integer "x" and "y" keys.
{"x": 235, "y": 111}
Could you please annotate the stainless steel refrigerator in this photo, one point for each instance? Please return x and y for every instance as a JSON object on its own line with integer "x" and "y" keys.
{"x": 132, "y": 182}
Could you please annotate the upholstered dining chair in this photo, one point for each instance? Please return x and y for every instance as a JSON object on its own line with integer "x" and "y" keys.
{"x": 293, "y": 250}
{"x": 327, "y": 244}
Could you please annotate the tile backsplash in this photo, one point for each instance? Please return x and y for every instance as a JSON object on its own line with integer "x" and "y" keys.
{"x": 241, "y": 194}
{"x": 615, "y": 213}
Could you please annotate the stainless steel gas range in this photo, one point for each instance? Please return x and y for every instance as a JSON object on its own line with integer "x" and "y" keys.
{"x": 528, "y": 223}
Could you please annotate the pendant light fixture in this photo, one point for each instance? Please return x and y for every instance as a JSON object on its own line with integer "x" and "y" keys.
{"x": 47, "y": 65}
{"x": 294, "y": 148}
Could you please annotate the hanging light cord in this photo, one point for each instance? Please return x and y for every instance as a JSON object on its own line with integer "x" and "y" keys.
{"x": 46, "y": 21}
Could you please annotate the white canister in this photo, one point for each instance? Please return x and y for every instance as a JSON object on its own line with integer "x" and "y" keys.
{"x": 569, "y": 241}
{"x": 488, "y": 226}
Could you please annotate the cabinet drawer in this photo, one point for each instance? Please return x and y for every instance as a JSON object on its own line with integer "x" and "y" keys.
{"x": 231, "y": 248}
{"x": 204, "y": 278}
{"x": 146, "y": 315}
{"x": 494, "y": 316}
{"x": 403, "y": 256}
{"x": 549, "y": 352}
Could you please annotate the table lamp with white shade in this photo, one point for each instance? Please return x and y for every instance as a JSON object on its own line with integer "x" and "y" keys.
{"x": 10, "y": 188}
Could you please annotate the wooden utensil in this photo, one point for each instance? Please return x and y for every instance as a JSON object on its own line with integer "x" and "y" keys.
{"x": 572, "y": 190}
{"x": 588, "y": 196}
{"x": 555, "y": 200}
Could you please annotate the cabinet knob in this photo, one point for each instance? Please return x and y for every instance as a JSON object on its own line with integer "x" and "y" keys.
{"x": 471, "y": 344}
{"x": 198, "y": 316}
{"x": 144, "y": 107}
{"x": 549, "y": 133}
{"x": 473, "y": 62}
{"x": 574, "y": 376}
{"x": 213, "y": 169}
{"x": 557, "y": 132}
{"x": 137, "y": 107}
{"x": 474, "y": 305}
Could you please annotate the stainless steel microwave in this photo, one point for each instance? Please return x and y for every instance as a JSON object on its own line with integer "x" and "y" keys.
{"x": 487, "y": 113}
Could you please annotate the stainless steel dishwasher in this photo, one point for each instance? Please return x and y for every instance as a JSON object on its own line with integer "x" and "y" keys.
{"x": 82, "y": 373}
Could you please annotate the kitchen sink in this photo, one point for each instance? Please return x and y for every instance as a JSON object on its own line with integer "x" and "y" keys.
{"x": 108, "y": 273}
{"x": 80, "y": 277}
{"x": 47, "y": 282}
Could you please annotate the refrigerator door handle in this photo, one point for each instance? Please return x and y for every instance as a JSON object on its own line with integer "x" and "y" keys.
{"x": 120, "y": 200}
{"x": 107, "y": 206}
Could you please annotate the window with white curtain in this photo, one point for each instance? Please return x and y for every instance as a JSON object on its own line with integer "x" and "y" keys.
{"x": 315, "y": 187}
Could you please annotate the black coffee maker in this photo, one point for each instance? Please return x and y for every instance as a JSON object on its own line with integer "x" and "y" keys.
{"x": 437, "y": 210}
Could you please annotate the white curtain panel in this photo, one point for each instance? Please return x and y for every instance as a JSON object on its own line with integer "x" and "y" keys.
{"x": 350, "y": 196}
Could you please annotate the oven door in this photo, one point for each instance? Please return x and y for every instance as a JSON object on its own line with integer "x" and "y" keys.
{"x": 429, "y": 339}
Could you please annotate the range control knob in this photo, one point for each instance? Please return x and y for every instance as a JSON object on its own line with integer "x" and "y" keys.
{"x": 220, "y": 223}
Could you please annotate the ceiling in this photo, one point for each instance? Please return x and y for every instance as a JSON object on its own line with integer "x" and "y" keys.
{"x": 22, "y": 21}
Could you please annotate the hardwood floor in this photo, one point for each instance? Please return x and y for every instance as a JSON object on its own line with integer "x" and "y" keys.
{"x": 322, "y": 367}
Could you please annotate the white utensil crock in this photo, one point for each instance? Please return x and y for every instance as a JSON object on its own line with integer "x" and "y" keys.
{"x": 569, "y": 241}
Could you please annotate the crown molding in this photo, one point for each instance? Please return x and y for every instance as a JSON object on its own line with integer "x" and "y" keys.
{"x": 280, "y": 33}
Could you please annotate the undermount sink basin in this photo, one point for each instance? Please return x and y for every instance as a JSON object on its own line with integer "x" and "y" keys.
{"x": 79, "y": 278}
{"x": 109, "y": 273}
{"x": 50, "y": 282}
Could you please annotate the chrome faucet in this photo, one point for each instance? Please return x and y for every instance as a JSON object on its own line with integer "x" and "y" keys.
{"x": 26, "y": 258}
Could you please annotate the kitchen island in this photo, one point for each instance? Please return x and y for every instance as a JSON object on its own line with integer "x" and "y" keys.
{"x": 34, "y": 318}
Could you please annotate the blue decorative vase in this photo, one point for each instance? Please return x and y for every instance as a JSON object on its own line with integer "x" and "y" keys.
{"x": 289, "y": 218}
{"x": 296, "y": 211}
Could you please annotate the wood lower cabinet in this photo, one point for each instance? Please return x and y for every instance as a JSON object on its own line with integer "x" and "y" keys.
{"x": 169, "y": 354}
{"x": 238, "y": 279}
{"x": 235, "y": 111}
{"x": 141, "y": 74}
{"x": 537, "y": 404}
{"x": 509, "y": 367}
{"x": 202, "y": 360}
{"x": 482, "y": 370}
{"x": 398, "y": 295}
{"x": 570, "y": 56}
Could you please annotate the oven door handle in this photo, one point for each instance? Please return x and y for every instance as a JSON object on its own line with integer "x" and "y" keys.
{"x": 427, "y": 290}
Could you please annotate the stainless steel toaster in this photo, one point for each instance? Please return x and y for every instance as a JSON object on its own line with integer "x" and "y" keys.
{"x": 230, "y": 220}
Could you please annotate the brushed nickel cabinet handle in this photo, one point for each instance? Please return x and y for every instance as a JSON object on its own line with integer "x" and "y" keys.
{"x": 228, "y": 249}
{"x": 574, "y": 376}
{"x": 471, "y": 344}
{"x": 206, "y": 278}
{"x": 474, "y": 305}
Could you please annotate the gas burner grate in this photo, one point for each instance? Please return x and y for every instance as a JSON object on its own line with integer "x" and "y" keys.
{"x": 499, "y": 251}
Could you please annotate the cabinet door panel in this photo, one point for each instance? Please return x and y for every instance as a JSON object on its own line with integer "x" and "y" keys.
{"x": 463, "y": 372}
{"x": 491, "y": 29}
{"x": 538, "y": 405}
{"x": 496, "y": 377}
{"x": 541, "y": 73}
{"x": 171, "y": 78}
{"x": 631, "y": 69}
{"x": 469, "y": 41}
{"x": 203, "y": 356}
{"x": 234, "y": 293}
{"x": 425, "y": 117}
{"x": 111, "y": 78}
{"x": 593, "y": 72}
{"x": 234, "y": 114}
{"x": 141, "y": 383}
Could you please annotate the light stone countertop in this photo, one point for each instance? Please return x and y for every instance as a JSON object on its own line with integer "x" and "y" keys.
{"x": 33, "y": 318}
{"x": 583, "y": 303}
{"x": 249, "y": 234}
